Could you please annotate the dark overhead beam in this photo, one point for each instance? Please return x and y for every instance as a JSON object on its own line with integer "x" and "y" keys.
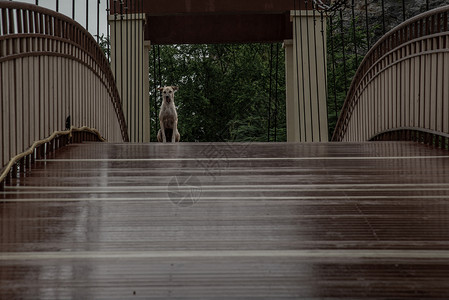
{"x": 176, "y": 7}
{"x": 214, "y": 21}
{"x": 208, "y": 29}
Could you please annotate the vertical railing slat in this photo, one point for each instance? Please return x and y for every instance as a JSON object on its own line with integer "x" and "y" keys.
{"x": 3, "y": 158}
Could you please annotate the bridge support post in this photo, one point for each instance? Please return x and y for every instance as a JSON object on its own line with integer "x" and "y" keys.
{"x": 291, "y": 104}
{"x": 129, "y": 63}
{"x": 306, "y": 79}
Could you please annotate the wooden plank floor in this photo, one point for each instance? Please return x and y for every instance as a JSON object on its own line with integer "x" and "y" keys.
{"x": 229, "y": 221}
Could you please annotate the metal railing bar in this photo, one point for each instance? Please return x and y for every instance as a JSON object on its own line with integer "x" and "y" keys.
{"x": 98, "y": 21}
{"x": 309, "y": 72}
{"x": 316, "y": 72}
{"x": 135, "y": 82}
{"x": 270, "y": 92}
{"x": 334, "y": 77}
{"x": 145, "y": 68}
{"x": 121, "y": 65}
{"x": 326, "y": 83}
{"x": 367, "y": 25}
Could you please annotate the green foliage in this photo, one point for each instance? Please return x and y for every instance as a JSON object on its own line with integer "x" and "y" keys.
{"x": 345, "y": 52}
{"x": 104, "y": 43}
{"x": 223, "y": 91}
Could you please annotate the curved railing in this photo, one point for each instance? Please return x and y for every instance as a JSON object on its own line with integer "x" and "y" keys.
{"x": 401, "y": 89}
{"x": 53, "y": 75}
{"x": 21, "y": 163}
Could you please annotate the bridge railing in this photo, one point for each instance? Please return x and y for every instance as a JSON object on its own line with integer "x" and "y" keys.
{"x": 53, "y": 75}
{"x": 401, "y": 89}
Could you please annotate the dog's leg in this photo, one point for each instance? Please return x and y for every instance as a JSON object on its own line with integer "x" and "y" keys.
{"x": 159, "y": 136}
{"x": 175, "y": 132}
{"x": 164, "y": 139}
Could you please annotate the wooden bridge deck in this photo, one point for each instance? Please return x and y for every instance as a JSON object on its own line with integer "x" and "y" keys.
{"x": 219, "y": 221}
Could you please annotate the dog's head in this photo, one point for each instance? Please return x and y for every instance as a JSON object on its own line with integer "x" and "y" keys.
{"x": 168, "y": 94}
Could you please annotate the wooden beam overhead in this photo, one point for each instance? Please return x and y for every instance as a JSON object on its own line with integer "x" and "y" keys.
{"x": 213, "y": 21}
{"x": 208, "y": 29}
{"x": 164, "y": 7}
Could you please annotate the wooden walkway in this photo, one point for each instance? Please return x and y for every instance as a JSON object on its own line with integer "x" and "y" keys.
{"x": 237, "y": 221}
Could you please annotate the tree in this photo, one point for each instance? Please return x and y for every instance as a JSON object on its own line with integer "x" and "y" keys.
{"x": 104, "y": 43}
{"x": 223, "y": 91}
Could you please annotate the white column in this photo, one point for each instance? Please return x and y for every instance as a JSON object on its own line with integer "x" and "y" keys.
{"x": 308, "y": 65}
{"x": 130, "y": 66}
{"x": 292, "y": 103}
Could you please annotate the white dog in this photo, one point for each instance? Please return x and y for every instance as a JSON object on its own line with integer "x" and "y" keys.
{"x": 168, "y": 117}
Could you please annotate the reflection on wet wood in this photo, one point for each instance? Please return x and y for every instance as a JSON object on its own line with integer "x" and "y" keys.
{"x": 223, "y": 221}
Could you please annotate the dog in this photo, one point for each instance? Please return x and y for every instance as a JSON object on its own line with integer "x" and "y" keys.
{"x": 168, "y": 117}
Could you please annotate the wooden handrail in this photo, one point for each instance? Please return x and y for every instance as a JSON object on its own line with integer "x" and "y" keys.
{"x": 6, "y": 170}
{"x": 424, "y": 136}
{"x": 410, "y": 129}
{"x": 383, "y": 82}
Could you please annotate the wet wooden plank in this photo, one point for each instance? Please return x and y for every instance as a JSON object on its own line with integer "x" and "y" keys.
{"x": 224, "y": 221}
